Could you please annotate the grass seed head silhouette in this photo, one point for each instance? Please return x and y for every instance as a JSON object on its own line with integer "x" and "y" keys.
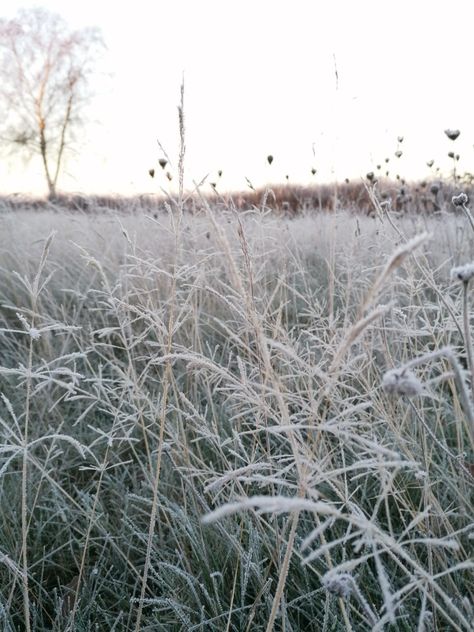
{"x": 452, "y": 134}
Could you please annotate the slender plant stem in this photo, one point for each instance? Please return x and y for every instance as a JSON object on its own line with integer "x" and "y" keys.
{"x": 283, "y": 573}
{"x": 467, "y": 332}
{"x": 24, "y": 492}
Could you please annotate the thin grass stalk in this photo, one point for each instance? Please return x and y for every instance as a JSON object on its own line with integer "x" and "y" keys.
{"x": 34, "y": 292}
{"x": 167, "y": 378}
{"x": 24, "y": 489}
{"x": 467, "y": 332}
{"x": 283, "y": 572}
{"x": 468, "y": 215}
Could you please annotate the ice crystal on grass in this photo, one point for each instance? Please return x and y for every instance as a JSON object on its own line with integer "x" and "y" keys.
{"x": 463, "y": 273}
{"x": 402, "y": 382}
{"x": 34, "y": 333}
{"x": 339, "y": 584}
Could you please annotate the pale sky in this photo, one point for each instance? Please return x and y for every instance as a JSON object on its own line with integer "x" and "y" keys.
{"x": 260, "y": 79}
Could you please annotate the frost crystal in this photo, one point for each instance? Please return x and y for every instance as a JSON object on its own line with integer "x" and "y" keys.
{"x": 339, "y": 584}
{"x": 463, "y": 273}
{"x": 34, "y": 333}
{"x": 401, "y": 382}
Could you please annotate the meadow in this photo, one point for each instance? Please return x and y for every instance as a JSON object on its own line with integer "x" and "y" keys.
{"x": 234, "y": 420}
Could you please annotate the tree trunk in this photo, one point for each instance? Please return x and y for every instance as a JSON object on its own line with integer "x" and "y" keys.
{"x": 44, "y": 158}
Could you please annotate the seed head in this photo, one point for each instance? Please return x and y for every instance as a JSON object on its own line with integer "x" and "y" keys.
{"x": 430, "y": 163}
{"x": 269, "y": 159}
{"x": 370, "y": 176}
{"x": 451, "y": 154}
{"x": 463, "y": 273}
{"x": 452, "y": 134}
{"x": 400, "y": 139}
{"x": 460, "y": 200}
{"x": 399, "y": 153}
{"x": 434, "y": 188}
{"x": 402, "y": 381}
{"x": 151, "y": 172}
{"x": 313, "y": 171}
{"x": 162, "y": 162}
{"x": 339, "y": 584}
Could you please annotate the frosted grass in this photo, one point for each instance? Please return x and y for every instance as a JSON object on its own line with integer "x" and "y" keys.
{"x": 303, "y": 388}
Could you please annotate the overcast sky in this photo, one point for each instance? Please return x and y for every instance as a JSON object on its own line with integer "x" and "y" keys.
{"x": 260, "y": 78}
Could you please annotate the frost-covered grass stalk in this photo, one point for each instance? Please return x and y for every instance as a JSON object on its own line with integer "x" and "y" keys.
{"x": 226, "y": 422}
{"x": 176, "y": 215}
{"x": 464, "y": 274}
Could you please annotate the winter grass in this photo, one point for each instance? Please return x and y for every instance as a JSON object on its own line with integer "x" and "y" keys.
{"x": 225, "y": 422}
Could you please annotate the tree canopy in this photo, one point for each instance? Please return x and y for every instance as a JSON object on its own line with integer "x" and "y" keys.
{"x": 46, "y": 69}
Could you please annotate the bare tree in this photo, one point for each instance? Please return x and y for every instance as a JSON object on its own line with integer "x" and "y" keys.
{"x": 45, "y": 70}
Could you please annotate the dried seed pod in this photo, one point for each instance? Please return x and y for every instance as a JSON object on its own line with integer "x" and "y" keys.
{"x": 269, "y": 159}
{"x": 452, "y": 134}
{"x": 162, "y": 162}
{"x": 463, "y": 273}
{"x": 460, "y": 200}
{"x": 430, "y": 163}
{"x": 151, "y": 172}
{"x": 399, "y": 153}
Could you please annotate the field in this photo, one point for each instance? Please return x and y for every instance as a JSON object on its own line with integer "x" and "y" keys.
{"x": 231, "y": 421}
